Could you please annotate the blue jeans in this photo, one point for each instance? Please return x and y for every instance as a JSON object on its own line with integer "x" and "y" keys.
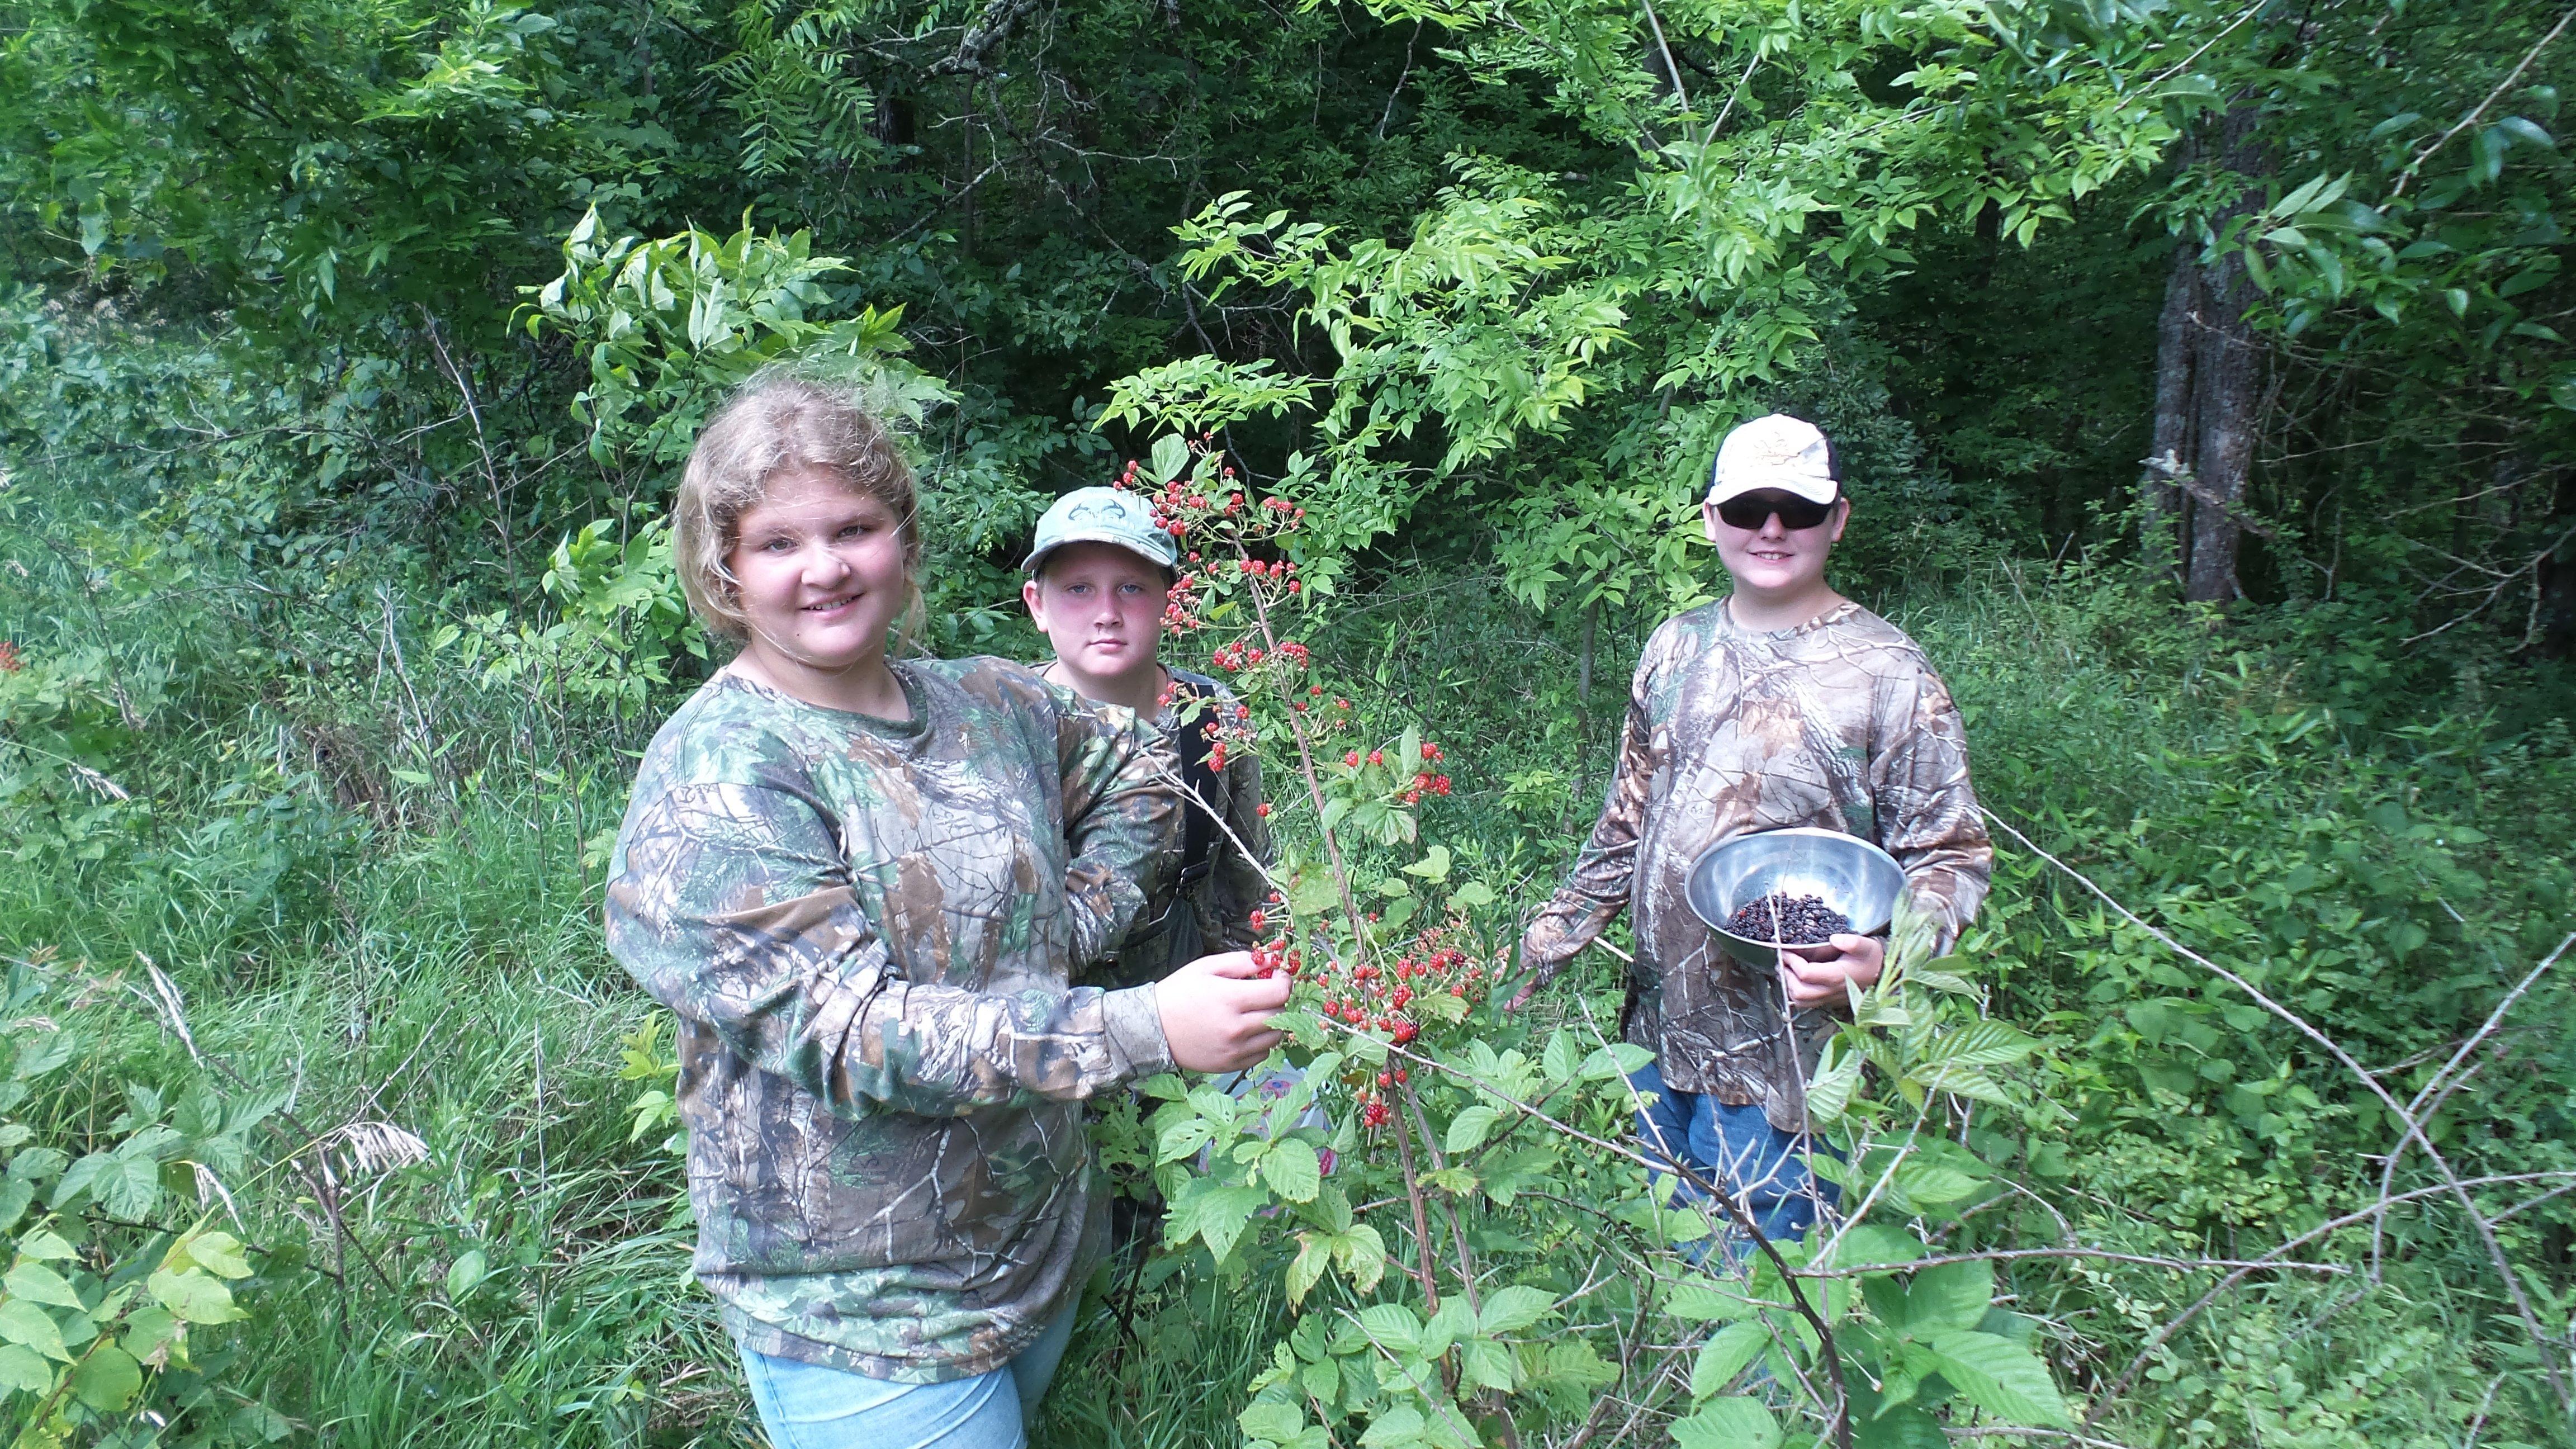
{"x": 808, "y": 1406}
{"x": 1736, "y": 1149}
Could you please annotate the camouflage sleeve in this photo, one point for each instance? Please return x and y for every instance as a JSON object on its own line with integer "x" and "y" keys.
{"x": 1928, "y": 808}
{"x": 734, "y": 908}
{"x": 1122, "y": 817}
{"x": 1597, "y": 888}
{"x": 1241, "y": 882}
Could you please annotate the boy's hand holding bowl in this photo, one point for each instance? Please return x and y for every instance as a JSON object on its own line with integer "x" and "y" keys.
{"x": 1819, "y": 975}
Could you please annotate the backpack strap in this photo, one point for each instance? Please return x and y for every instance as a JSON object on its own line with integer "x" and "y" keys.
{"x": 1198, "y": 829}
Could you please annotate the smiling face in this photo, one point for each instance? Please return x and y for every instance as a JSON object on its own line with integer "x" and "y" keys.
{"x": 1776, "y": 566}
{"x": 1102, "y": 608}
{"x": 820, "y": 575}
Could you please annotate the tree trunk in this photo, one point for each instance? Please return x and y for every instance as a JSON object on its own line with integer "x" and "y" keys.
{"x": 2170, "y": 452}
{"x": 2208, "y": 399}
{"x": 2225, "y": 383}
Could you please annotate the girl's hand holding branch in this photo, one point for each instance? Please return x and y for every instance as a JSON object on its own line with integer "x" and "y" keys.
{"x": 1819, "y": 980}
{"x": 1216, "y": 1012}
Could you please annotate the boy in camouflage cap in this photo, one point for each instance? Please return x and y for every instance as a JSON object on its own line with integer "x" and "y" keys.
{"x": 1100, "y": 578}
{"x": 1783, "y": 704}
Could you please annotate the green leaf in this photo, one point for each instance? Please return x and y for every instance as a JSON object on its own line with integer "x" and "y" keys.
{"x": 1837, "y": 1078}
{"x": 1950, "y": 1296}
{"x": 31, "y": 1327}
{"x": 36, "y": 1282}
{"x": 126, "y": 1183}
{"x": 23, "y": 1372}
{"x": 1704, "y": 1303}
{"x": 108, "y": 1379}
{"x": 1392, "y": 1326}
{"x": 218, "y": 1253}
{"x": 258, "y": 1423}
{"x": 1433, "y": 866}
{"x": 1483, "y": 1362}
{"x": 1314, "y": 1255}
{"x": 1361, "y": 1251}
{"x": 1513, "y": 1307}
{"x": 2523, "y": 129}
{"x": 1468, "y": 1130}
{"x": 45, "y": 1243}
{"x": 1292, "y": 1169}
{"x": 2000, "y": 1377}
{"x": 1454, "y": 1321}
{"x": 1394, "y": 1429}
{"x": 466, "y": 1273}
{"x": 197, "y": 1297}
{"x": 1726, "y": 1355}
{"x": 37, "y": 1164}
{"x": 1926, "y": 1182}
{"x": 1182, "y": 1139}
{"x": 1736, "y": 1423}
{"x": 1985, "y": 1043}
{"x": 1215, "y": 1213}
{"x": 1561, "y": 1057}
{"x": 149, "y": 1332}
{"x": 1615, "y": 1060}
{"x": 1865, "y": 1243}
{"x": 1271, "y": 1421}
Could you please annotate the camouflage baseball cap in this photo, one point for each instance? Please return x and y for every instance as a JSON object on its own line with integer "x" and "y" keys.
{"x": 1103, "y": 515}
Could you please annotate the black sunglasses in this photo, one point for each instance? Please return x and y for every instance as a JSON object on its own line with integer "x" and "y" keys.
{"x": 1749, "y": 511}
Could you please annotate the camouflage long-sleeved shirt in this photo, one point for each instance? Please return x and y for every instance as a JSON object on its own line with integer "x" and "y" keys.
{"x": 1839, "y": 722}
{"x": 1183, "y": 921}
{"x": 867, "y": 929}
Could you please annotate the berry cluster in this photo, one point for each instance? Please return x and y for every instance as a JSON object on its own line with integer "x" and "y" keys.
{"x": 1243, "y": 654}
{"x": 1424, "y": 782}
{"x": 1226, "y": 534}
{"x": 10, "y": 663}
{"x": 1390, "y": 998}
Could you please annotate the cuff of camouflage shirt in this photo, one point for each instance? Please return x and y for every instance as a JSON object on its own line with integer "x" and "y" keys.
{"x": 1136, "y": 1041}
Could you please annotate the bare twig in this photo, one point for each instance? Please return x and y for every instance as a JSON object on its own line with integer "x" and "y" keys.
{"x": 2218, "y": 1290}
{"x": 991, "y": 28}
{"x": 2414, "y": 1130}
{"x": 2008, "y": 1255}
{"x": 1671, "y": 70}
{"x": 2471, "y": 118}
{"x": 2443, "y": 1084}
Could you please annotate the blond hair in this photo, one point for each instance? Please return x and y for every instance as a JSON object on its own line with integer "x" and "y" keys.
{"x": 780, "y": 423}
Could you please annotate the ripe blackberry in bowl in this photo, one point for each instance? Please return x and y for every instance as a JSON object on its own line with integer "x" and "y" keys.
{"x": 1787, "y": 920}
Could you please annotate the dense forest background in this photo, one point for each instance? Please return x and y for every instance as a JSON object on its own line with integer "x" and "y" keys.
{"x": 2198, "y": 369}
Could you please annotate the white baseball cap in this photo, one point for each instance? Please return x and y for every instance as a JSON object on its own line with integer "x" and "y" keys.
{"x": 1776, "y": 451}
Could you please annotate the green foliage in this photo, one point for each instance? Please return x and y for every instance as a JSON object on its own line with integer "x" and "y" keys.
{"x": 325, "y": 635}
{"x": 670, "y": 326}
{"x": 107, "y": 1315}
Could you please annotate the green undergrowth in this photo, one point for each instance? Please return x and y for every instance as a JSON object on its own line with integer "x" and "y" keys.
{"x": 401, "y": 941}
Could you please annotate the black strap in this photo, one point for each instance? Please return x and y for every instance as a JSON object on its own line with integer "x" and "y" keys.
{"x": 1198, "y": 828}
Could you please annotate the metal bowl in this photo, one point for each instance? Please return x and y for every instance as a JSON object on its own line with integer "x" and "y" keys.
{"x": 1853, "y": 876}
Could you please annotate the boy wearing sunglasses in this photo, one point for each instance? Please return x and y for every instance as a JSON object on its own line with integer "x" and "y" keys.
{"x": 1782, "y": 704}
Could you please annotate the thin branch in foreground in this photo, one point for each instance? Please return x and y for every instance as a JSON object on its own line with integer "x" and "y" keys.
{"x": 2008, "y": 1255}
